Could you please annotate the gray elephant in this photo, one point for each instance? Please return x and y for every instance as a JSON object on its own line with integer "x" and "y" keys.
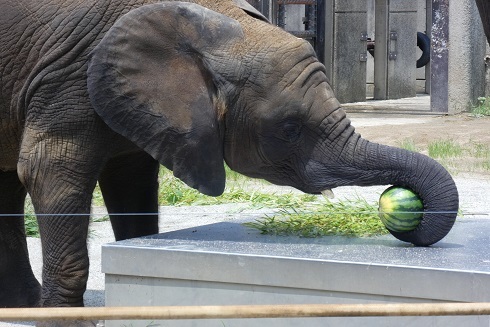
{"x": 106, "y": 91}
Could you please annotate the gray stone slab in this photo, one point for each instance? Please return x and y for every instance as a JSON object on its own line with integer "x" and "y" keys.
{"x": 464, "y": 249}
{"x": 227, "y": 263}
{"x": 461, "y": 254}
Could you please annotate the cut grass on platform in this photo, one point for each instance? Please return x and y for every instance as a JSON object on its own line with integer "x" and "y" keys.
{"x": 355, "y": 218}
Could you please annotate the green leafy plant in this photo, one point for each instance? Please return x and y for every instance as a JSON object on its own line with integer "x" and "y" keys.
{"x": 97, "y": 198}
{"x": 482, "y": 108}
{"x": 407, "y": 144}
{"x": 444, "y": 149}
{"x": 481, "y": 150}
{"x": 471, "y": 156}
{"x": 482, "y": 153}
{"x": 30, "y": 220}
{"x": 240, "y": 189}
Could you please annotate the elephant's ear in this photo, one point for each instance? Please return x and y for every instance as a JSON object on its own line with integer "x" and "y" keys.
{"x": 148, "y": 81}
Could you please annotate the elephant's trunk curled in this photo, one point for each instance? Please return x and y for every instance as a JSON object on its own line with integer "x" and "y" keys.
{"x": 388, "y": 165}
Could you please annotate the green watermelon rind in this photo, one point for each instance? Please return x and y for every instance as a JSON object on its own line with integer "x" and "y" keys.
{"x": 409, "y": 210}
{"x": 393, "y": 223}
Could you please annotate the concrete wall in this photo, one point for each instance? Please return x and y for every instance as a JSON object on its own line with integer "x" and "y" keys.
{"x": 487, "y": 72}
{"x": 467, "y": 48}
{"x": 468, "y": 78}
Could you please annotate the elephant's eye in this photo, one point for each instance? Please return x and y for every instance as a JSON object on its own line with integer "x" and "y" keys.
{"x": 292, "y": 131}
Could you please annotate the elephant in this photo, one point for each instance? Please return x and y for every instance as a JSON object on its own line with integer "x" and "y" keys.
{"x": 107, "y": 91}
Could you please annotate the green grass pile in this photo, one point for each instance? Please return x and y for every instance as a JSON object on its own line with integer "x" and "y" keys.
{"x": 356, "y": 218}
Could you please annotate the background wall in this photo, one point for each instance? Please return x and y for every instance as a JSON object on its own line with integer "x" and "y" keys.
{"x": 467, "y": 48}
{"x": 468, "y": 75}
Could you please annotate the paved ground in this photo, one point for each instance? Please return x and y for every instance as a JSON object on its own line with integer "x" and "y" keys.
{"x": 474, "y": 190}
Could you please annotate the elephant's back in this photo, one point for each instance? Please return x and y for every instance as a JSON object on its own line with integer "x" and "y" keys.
{"x": 40, "y": 37}
{"x": 14, "y": 51}
{"x": 43, "y": 42}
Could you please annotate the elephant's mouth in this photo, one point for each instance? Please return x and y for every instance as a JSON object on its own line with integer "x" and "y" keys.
{"x": 313, "y": 178}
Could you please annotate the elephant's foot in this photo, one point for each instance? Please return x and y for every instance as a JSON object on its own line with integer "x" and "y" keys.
{"x": 67, "y": 323}
{"x": 24, "y": 296}
{"x": 18, "y": 286}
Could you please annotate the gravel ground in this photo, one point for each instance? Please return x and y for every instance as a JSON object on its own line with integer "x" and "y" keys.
{"x": 474, "y": 190}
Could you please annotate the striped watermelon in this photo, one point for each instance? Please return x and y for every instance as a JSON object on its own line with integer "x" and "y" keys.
{"x": 400, "y": 209}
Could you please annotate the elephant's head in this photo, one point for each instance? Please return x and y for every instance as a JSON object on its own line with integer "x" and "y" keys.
{"x": 194, "y": 88}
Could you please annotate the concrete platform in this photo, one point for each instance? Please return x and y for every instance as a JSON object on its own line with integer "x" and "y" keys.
{"x": 227, "y": 263}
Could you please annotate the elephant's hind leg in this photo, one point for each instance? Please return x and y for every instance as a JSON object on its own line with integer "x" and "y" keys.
{"x": 129, "y": 185}
{"x": 18, "y": 286}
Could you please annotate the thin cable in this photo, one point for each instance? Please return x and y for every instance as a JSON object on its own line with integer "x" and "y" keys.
{"x": 240, "y": 213}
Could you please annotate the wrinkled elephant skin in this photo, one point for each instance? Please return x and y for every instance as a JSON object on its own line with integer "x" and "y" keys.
{"x": 106, "y": 91}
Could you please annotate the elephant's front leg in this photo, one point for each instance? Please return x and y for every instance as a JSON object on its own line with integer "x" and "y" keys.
{"x": 64, "y": 246}
{"x": 18, "y": 286}
{"x": 60, "y": 177}
{"x": 65, "y": 259}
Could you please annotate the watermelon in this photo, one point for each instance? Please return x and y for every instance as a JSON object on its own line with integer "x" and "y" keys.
{"x": 400, "y": 209}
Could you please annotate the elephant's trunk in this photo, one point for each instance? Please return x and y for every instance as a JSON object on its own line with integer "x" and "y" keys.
{"x": 381, "y": 165}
